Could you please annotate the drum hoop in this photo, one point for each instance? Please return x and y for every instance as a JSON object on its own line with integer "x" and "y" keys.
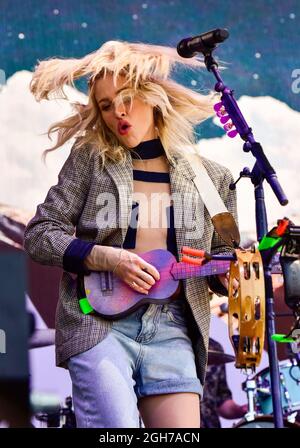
{"x": 283, "y": 363}
{"x": 266, "y": 418}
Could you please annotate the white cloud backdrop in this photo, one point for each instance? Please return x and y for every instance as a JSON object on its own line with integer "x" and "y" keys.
{"x": 277, "y": 128}
{"x": 25, "y": 178}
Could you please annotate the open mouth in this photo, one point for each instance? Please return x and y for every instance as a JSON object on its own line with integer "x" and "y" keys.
{"x": 124, "y": 128}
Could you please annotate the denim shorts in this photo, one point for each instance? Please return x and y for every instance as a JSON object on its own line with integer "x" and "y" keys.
{"x": 146, "y": 353}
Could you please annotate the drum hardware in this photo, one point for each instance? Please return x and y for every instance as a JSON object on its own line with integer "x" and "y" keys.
{"x": 259, "y": 394}
{"x": 286, "y": 393}
{"x": 264, "y": 421}
{"x": 68, "y": 413}
{"x": 250, "y": 389}
{"x": 42, "y": 403}
{"x": 54, "y": 419}
{"x": 292, "y": 417}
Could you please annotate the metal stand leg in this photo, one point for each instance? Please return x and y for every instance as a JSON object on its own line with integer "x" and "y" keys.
{"x": 272, "y": 351}
{"x": 250, "y": 391}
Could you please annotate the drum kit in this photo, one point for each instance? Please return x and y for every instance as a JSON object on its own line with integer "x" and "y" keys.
{"x": 260, "y": 407}
{"x": 259, "y": 397}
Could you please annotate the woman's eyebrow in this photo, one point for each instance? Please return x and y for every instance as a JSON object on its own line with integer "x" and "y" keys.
{"x": 107, "y": 99}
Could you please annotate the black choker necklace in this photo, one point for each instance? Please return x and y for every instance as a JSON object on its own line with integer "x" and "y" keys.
{"x": 148, "y": 149}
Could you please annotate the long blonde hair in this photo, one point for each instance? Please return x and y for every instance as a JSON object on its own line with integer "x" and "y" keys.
{"x": 147, "y": 69}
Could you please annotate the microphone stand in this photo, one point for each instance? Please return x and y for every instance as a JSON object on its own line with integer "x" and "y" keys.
{"x": 262, "y": 170}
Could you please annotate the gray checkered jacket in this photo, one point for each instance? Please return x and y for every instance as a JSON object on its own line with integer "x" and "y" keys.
{"x": 70, "y": 210}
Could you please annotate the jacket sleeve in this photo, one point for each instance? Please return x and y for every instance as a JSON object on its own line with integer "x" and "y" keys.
{"x": 52, "y": 229}
{"x": 217, "y": 244}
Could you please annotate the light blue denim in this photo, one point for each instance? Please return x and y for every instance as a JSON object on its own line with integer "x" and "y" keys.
{"x": 148, "y": 352}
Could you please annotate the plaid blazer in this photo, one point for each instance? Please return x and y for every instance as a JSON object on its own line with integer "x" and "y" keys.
{"x": 70, "y": 210}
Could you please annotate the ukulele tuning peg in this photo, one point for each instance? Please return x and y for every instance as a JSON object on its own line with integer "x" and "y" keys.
{"x": 190, "y": 251}
{"x": 196, "y": 261}
{"x": 202, "y": 255}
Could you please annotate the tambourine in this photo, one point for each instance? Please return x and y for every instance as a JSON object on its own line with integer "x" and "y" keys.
{"x": 246, "y": 305}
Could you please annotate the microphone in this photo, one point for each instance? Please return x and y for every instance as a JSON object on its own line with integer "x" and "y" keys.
{"x": 205, "y": 42}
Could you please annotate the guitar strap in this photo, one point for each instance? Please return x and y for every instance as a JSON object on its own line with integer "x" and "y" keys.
{"x": 222, "y": 219}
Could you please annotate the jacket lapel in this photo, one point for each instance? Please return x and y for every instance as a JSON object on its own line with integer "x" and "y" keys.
{"x": 181, "y": 175}
{"x": 121, "y": 174}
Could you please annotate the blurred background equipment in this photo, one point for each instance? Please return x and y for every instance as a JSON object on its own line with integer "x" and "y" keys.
{"x": 48, "y": 410}
{"x": 290, "y": 262}
{"x": 43, "y": 281}
{"x": 14, "y": 325}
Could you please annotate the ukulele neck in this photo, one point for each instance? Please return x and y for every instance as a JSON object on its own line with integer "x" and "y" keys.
{"x": 183, "y": 270}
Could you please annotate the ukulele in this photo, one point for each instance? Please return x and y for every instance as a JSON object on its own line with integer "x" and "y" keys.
{"x": 107, "y": 295}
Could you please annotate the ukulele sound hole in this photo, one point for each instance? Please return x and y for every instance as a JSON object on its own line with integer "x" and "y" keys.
{"x": 106, "y": 283}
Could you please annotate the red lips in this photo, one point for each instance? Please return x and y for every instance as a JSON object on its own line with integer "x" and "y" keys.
{"x": 123, "y": 127}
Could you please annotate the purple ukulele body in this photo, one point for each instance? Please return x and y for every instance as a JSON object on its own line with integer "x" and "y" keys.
{"x": 110, "y": 297}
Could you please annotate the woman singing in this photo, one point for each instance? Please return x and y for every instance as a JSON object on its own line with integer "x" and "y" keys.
{"x": 129, "y": 149}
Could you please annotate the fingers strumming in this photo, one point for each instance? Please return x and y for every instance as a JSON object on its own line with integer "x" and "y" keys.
{"x": 152, "y": 270}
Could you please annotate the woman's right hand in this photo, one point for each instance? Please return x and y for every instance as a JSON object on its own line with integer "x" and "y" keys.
{"x": 128, "y": 266}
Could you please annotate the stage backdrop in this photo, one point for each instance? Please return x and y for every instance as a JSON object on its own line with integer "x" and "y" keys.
{"x": 262, "y": 53}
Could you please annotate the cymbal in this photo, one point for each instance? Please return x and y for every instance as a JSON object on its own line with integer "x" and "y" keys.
{"x": 215, "y": 357}
{"x": 42, "y": 338}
